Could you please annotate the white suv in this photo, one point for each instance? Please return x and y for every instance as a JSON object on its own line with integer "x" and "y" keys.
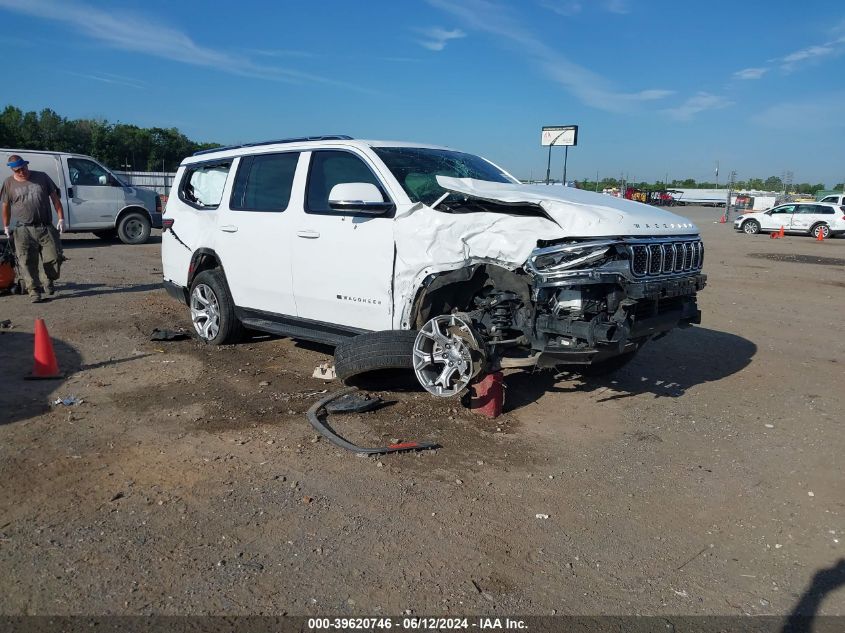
{"x": 808, "y": 218}
{"x": 407, "y": 255}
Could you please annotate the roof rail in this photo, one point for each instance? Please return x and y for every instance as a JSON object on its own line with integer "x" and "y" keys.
{"x": 300, "y": 139}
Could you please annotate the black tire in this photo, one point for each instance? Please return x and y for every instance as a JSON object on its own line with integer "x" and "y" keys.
{"x": 107, "y": 235}
{"x": 750, "y": 227}
{"x": 375, "y": 351}
{"x": 212, "y": 285}
{"x": 604, "y": 367}
{"x": 822, "y": 228}
{"x": 134, "y": 228}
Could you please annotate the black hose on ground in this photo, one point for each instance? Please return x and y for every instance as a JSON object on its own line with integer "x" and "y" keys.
{"x": 319, "y": 408}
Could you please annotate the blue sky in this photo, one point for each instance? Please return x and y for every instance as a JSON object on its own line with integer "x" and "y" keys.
{"x": 661, "y": 87}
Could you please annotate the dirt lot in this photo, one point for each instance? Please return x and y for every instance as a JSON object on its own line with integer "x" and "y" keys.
{"x": 705, "y": 478}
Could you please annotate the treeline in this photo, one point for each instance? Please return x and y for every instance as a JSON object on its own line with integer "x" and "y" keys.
{"x": 116, "y": 145}
{"x": 772, "y": 183}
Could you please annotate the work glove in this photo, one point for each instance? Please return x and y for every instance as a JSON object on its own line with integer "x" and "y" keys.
{"x": 60, "y": 226}
{"x": 6, "y": 230}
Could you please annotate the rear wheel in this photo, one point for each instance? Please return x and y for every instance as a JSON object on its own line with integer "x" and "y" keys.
{"x": 134, "y": 228}
{"x": 212, "y": 309}
{"x": 751, "y": 227}
{"x": 820, "y": 229}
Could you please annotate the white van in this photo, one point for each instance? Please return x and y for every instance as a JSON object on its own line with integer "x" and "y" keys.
{"x": 94, "y": 199}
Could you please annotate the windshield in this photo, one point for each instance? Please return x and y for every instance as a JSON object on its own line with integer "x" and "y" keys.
{"x": 417, "y": 169}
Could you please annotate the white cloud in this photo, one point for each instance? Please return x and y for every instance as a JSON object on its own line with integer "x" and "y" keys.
{"x": 697, "y": 104}
{"x": 437, "y": 38}
{"x": 812, "y": 114}
{"x": 109, "y": 78}
{"x": 750, "y": 73}
{"x": 591, "y": 88}
{"x": 617, "y": 6}
{"x": 134, "y": 32}
{"x": 562, "y": 7}
{"x": 817, "y": 52}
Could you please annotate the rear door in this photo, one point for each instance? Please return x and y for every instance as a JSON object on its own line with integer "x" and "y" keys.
{"x": 805, "y": 216}
{"x": 342, "y": 261}
{"x": 97, "y": 196}
{"x": 254, "y": 230}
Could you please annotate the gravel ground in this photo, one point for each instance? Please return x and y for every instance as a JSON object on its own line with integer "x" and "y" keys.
{"x": 704, "y": 478}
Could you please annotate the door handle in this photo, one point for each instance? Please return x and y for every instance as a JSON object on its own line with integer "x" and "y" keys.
{"x": 70, "y": 192}
{"x": 229, "y": 228}
{"x": 308, "y": 234}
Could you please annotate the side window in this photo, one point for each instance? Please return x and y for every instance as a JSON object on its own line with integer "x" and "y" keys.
{"x": 807, "y": 209}
{"x": 202, "y": 185}
{"x": 789, "y": 209}
{"x": 264, "y": 182}
{"x": 825, "y": 210}
{"x": 830, "y": 199}
{"x": 87, "y": 173}
{"x": 329, "y": 168}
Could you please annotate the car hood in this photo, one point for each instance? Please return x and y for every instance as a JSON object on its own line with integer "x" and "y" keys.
{"x": 579, "y": 213}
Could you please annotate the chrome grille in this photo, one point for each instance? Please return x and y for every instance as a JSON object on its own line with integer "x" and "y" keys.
{"x": 651, "y": 258}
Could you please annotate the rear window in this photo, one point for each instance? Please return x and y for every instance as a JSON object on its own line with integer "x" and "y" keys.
{"x": 264, "y": 182}
{"x": 202, "y": 185}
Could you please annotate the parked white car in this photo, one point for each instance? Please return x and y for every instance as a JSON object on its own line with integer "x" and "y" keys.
{"x": 406, "y": 255}
{"x": 807, "y": 218}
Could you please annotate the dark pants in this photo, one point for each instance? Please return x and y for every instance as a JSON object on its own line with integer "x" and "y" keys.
{"x": 34, "y": 244}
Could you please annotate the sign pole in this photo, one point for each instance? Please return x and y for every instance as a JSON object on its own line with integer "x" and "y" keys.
{"x": 565, "y": 158}
{"x": 549, "y": 164}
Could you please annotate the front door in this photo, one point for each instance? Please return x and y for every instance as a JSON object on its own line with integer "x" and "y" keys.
{"x": 254, "y": 230}
{"x": 780, "y": 217}
{"x": 97, "y": 196}
{"x": 342, "y": 261}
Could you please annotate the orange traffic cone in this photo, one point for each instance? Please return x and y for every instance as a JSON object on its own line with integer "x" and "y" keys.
{"x": 780, "y": 233}
{"x": 45, "y": 364}
{"x": 723, "y": 219}
{"x": 820, "y": 236}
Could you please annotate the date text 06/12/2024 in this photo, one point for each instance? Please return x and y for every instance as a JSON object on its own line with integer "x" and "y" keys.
{"x": 416, "y": 624}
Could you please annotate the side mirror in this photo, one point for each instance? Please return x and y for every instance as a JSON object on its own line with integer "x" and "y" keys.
{"x": 362, "y": 197}
{"x": 103, "y": 180}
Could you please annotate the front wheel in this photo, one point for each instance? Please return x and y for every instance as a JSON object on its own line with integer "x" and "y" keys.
{"x": 821, "y": 229}
{"x": 212, "y": 309}
{"x": 134, "y": 228}
{"x": 751, "y": 227}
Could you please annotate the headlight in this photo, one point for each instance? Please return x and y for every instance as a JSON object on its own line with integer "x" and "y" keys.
{"x": 566, "y": 257}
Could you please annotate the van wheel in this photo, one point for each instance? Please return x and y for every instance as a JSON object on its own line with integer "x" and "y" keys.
{"x": 212, "y": 309}
{"x": 374, "y": 351}
{"x": 107, "y": 235}
{"x": 134, "y": 228}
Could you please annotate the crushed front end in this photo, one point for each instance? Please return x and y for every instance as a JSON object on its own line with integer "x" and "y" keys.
{"x": 595, "y": 299}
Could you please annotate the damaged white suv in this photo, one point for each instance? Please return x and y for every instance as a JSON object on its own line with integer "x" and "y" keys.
{"x": 407, "y": 255}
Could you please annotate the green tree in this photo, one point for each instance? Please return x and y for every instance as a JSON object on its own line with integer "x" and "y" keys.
{"x": 773, "y": 183}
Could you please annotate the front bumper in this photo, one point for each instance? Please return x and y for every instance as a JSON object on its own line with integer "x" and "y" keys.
{"x": 176, "y": 291}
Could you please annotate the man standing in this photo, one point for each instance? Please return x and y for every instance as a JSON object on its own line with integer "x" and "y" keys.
{"x": 28, "y": 194}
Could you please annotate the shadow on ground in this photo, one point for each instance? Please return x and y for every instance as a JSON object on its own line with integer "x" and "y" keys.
{"x": 825, "y": 581}
{"x": 20, "y": 398}
{"x": 96, "y": 242}
{"x": 72, "y": 290}
{"x": 665, "y": 368}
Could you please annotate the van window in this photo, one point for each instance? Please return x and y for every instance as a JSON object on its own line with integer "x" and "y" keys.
{"x": 830, "y": 199}
{"x": 264, "y": 182}
{"x": 87, "y": 173}
{"x": 330, "y": 168}
{"x": 202, "y": 185}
